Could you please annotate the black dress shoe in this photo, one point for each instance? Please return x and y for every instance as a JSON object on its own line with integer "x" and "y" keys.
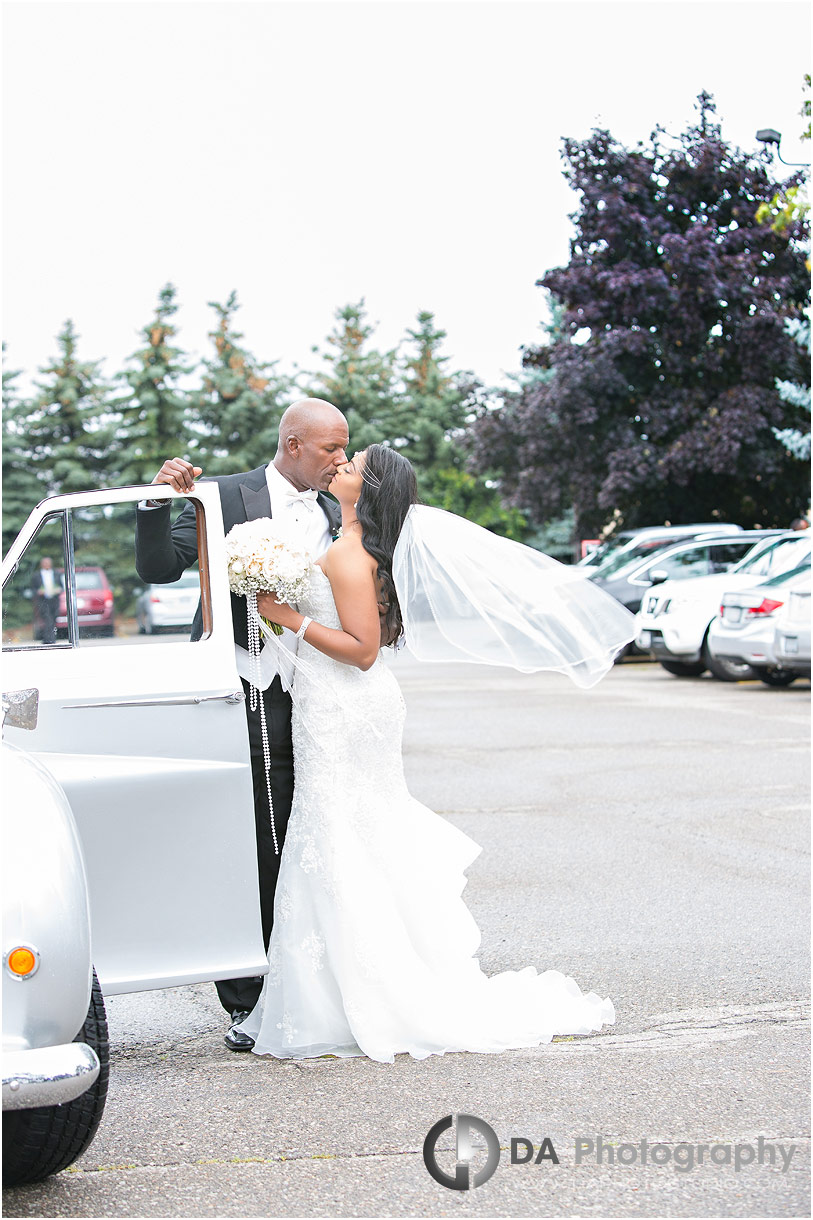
{"x": 235, "y": 1039}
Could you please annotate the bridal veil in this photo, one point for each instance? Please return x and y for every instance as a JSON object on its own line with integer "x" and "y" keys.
{"x": 469, "y": 595}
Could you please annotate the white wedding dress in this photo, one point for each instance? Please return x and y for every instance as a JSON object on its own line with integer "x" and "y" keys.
{"x": 372, "y": 949}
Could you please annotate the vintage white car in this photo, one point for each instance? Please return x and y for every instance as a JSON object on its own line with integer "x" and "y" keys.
{"x": 129, "y": 840}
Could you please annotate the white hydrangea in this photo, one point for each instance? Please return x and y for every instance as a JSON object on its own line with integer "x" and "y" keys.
{"x": 262, "y": 560}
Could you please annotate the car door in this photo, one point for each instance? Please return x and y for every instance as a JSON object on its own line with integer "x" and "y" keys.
{"x": 148, "y": 737}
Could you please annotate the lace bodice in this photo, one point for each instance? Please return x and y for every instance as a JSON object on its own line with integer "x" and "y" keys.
{"x": 346, "y": 722}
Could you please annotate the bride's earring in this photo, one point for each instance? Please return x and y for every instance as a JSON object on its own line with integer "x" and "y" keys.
{"x": 355, "y": 504}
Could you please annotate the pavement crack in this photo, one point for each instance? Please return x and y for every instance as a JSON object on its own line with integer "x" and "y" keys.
{"x": 278, "y": 1159}
{"x": 693, "y": 1026}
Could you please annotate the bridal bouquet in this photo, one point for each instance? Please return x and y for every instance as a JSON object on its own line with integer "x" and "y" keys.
{"x": 262, "y": 560}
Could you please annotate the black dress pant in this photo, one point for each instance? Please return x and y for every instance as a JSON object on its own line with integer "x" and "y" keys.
{"x": 243, "y": 994}
{"x": 48, "y": 608}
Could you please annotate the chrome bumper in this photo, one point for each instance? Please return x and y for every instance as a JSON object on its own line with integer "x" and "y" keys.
{"x": 47, "y": 1075}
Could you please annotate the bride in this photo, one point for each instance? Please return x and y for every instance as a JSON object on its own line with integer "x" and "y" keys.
{"x": 372, "y": 948}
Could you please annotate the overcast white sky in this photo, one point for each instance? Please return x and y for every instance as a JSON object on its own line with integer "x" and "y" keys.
{"x": 309, "y": 154}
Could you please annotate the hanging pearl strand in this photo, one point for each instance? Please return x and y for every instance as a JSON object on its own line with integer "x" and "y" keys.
{"x": 255, "y": 697}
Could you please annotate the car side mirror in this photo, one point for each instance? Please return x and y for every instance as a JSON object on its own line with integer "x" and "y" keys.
{"x": 20, "y": 708}
{"x": 658, "y": 576}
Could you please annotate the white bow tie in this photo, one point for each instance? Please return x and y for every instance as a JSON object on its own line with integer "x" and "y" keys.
{"x": 308, "y": 498}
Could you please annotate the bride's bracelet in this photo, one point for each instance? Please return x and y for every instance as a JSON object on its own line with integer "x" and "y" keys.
{"x": 303, "y": 627}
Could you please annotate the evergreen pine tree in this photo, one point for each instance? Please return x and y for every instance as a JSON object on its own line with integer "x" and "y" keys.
{"x": 22, "y": 486}
{"x": 238, "y": 409}
{"x": 154, "y": 414}
{"x": 437, "y": 407}
{"x": 69, "y": 430}
{"x": 360, "y": 381}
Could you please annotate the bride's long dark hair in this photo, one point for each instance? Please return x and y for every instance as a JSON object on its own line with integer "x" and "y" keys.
{"x": 388, "y": 492}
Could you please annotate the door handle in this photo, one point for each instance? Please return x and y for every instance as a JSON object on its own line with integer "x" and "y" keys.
{"x": 236, "y": 696}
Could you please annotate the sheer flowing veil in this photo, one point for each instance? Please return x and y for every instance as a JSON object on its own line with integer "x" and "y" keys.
{"x": 469, "y": 595}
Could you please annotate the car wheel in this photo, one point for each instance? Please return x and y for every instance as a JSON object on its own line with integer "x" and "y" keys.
{"x": 685, "y": 669}
{"x": 776, "y": 677}
{"x": 728, "y": 671}
{"x": 44, "y": 1140}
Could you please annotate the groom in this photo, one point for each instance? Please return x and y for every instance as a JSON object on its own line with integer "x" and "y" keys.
{"x": 313, "y": 440}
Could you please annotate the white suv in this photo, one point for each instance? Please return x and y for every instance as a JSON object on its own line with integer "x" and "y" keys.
{"x": 675, "y": 617}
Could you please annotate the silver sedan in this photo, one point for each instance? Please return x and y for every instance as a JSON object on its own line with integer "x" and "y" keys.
{"x": 750, "y": 622}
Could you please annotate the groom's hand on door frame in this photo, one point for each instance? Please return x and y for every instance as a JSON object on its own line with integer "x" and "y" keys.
{"x": 178, "y": 474}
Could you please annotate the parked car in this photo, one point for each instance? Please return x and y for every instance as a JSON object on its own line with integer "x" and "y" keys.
{"x": 639, "y": 543}
{"x": 94, "y": 603}
{"x": 745, "y": 631}
{"x": 792, "y": 638}
{"x": 675, "y": 617}
{"x": 695, "y": 557}
{"x": 168, "y": 606}
{"x": 136, "y": 751}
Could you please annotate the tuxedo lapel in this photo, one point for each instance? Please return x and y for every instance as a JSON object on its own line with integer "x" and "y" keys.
{"x": 331, "y": 510}
{"x": 254, "y": 494}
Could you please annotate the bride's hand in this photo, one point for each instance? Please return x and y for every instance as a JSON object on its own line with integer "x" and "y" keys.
{"x": 278, "y": 612}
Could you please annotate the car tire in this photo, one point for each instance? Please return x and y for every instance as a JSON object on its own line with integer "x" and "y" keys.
{"x": 43, "y": 1140}
{"x": 776, "y": 677}
{"x": 728, "y": 671}
{"x": 685, "y": 669}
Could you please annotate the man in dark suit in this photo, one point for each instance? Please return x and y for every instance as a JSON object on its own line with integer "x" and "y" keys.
{"x": 313, "y": 440}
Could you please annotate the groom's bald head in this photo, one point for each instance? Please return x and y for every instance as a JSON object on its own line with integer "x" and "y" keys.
{"x": 313, "y": 440}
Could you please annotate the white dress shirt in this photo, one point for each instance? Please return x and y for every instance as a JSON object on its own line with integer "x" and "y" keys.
{"x": 301, "y": 514}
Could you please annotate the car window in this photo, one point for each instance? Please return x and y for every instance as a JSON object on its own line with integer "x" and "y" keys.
{"x": 189, "y": 580}
{"x": 106, "y": 601}
{"x": 32, "y": 600}
{"x": 724, "y": 554}
{"x": 89, "y": 580}
{"x": 633, "y": 555}
{"x": 783, "y": 555}
{"x": 694, "y": 561}
{"x": 783, "y": 578}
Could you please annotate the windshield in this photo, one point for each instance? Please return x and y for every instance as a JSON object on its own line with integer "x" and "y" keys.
{"x": 783, "y": 577}
{"x": 89, "y": 580}
{"x": 780, "y": 557}
{"x": 189, "y": 580}
{"x": 622, "y": 559}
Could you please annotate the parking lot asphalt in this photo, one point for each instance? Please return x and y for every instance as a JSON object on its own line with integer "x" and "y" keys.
{"x": 648, "y": 837}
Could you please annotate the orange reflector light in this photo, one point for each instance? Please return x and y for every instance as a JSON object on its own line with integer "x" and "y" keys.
{"x": 22, "y": 961}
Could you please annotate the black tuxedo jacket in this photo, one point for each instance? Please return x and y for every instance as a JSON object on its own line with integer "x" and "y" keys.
{"x": 164, "y": 550}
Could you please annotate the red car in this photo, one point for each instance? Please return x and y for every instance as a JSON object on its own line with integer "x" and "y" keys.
{"x": 94, "y": 604}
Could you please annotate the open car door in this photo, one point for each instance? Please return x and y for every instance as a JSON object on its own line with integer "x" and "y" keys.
{"x": 147, "y": 735}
